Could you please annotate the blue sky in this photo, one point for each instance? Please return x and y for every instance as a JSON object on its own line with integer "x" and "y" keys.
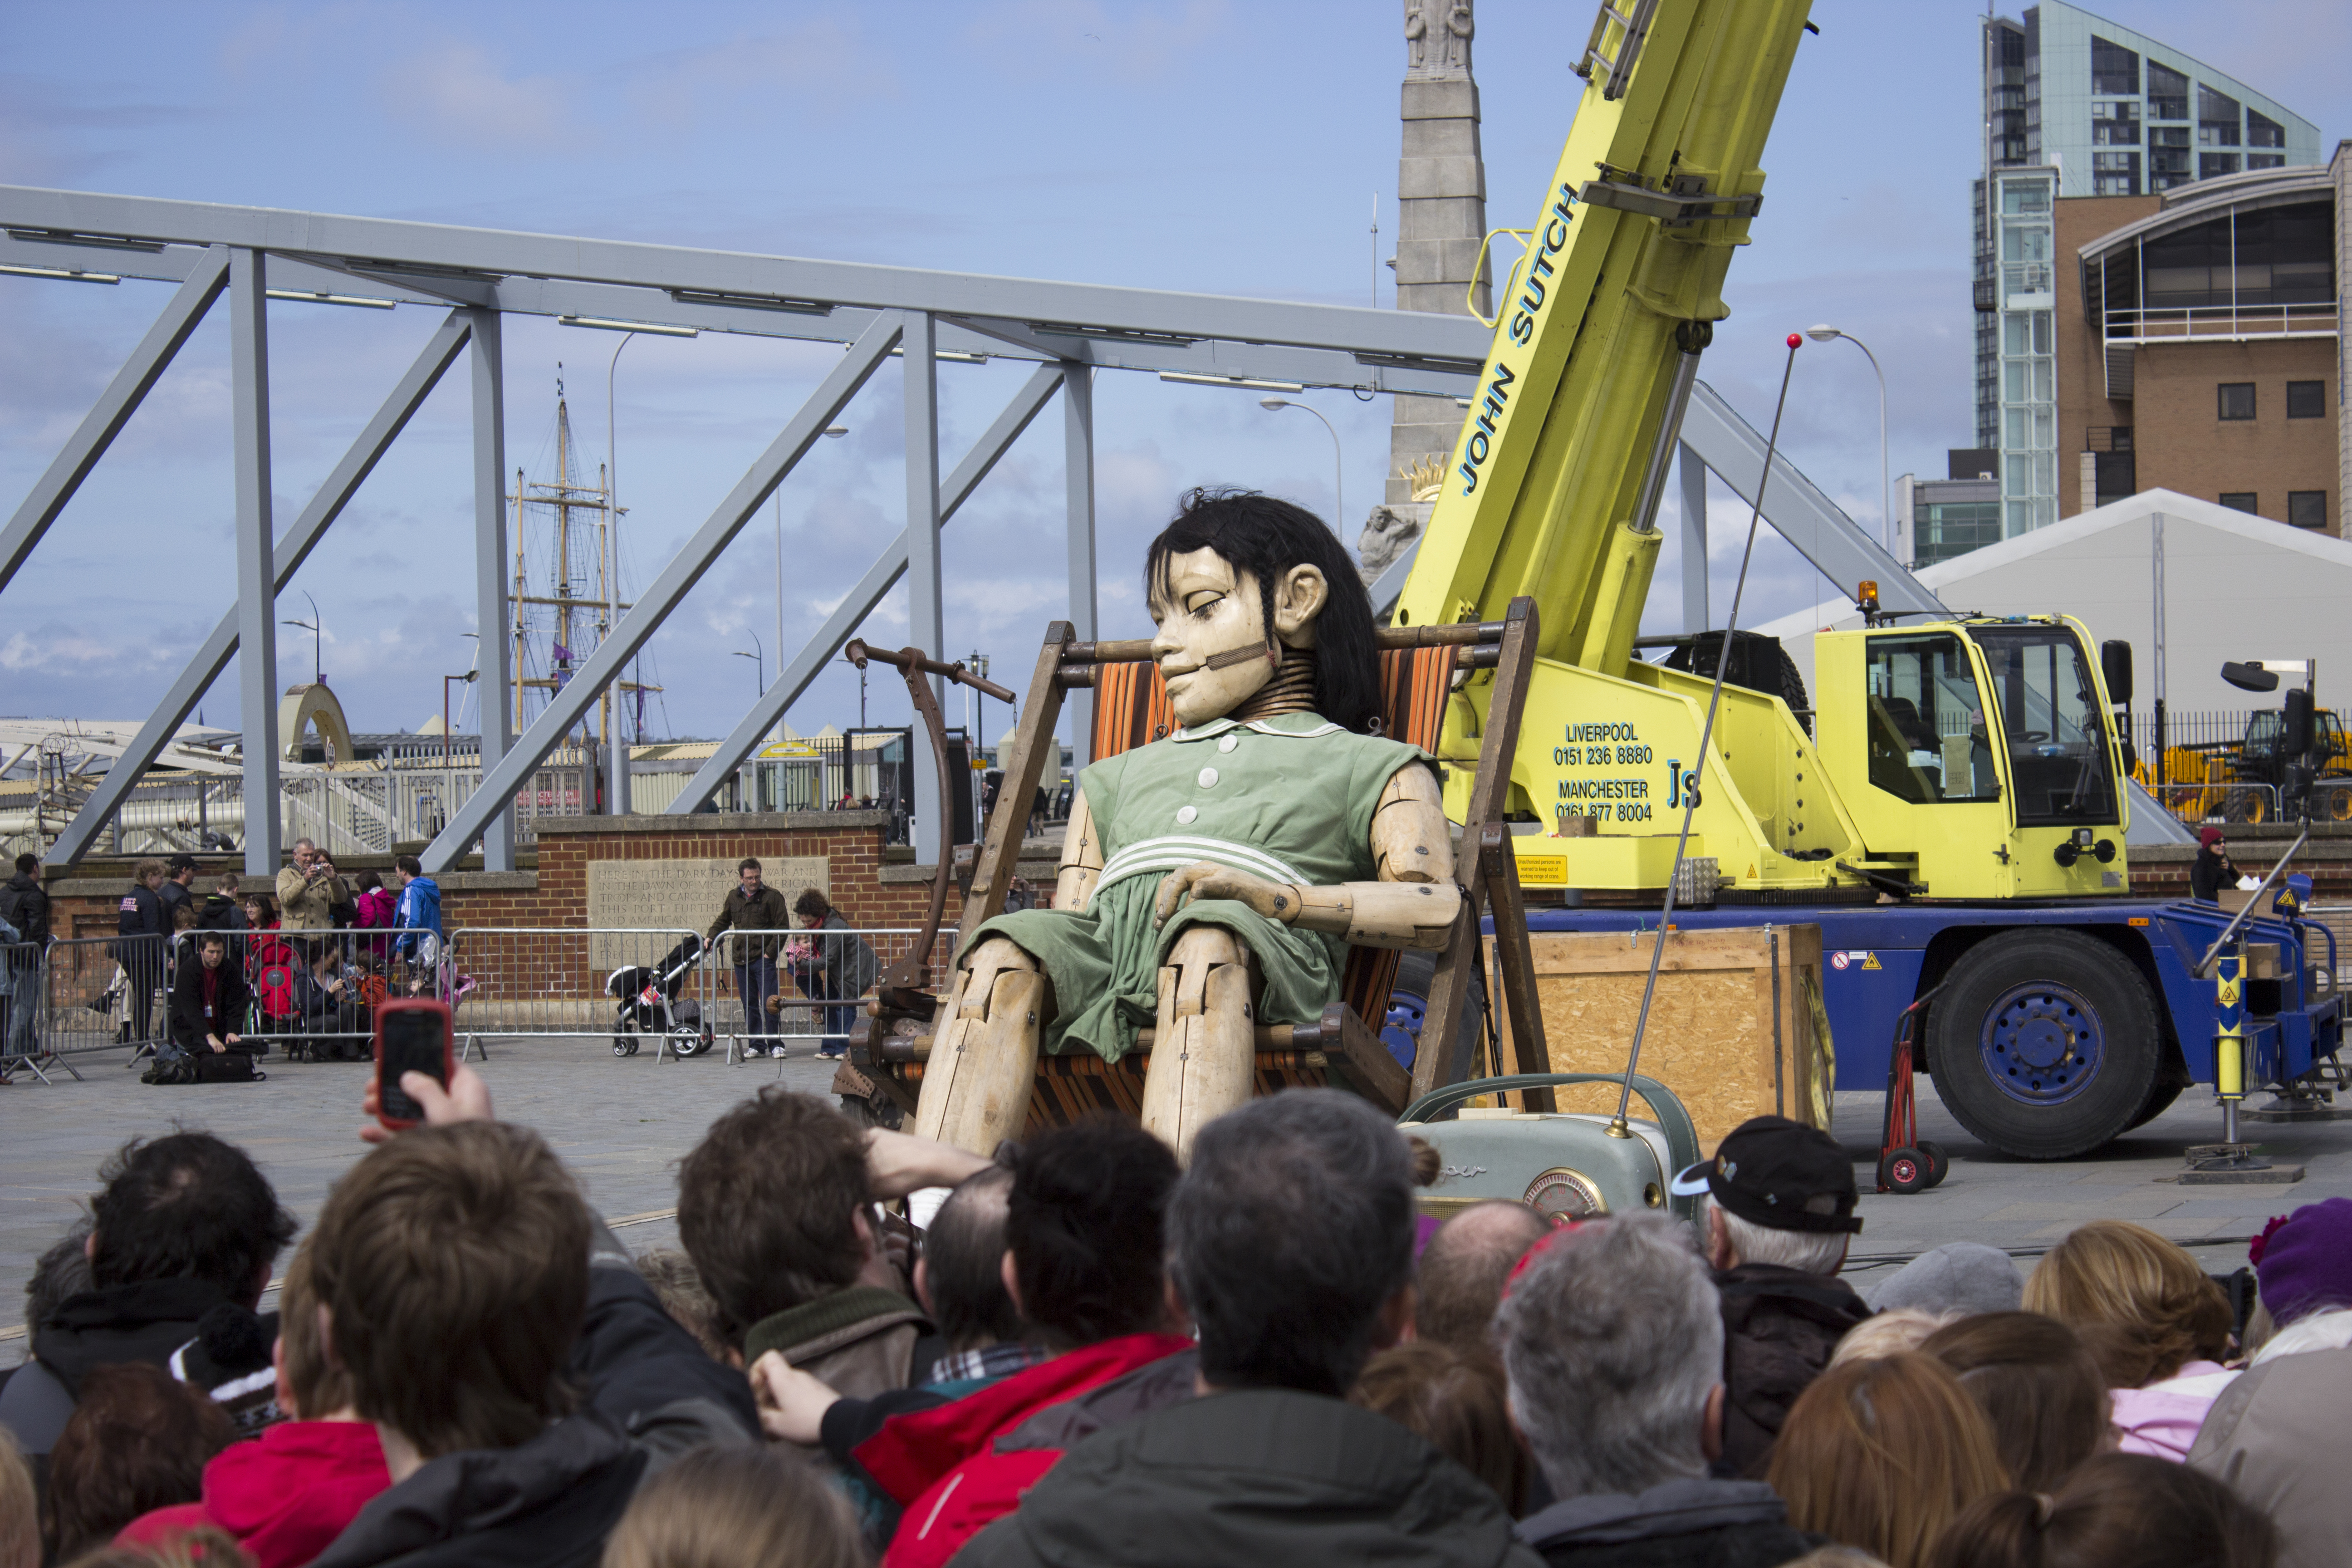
{"x": 1193, "y": 144}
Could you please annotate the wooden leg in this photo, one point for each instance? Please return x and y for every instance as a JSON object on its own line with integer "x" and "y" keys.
{"x": 983, "y": 1060}
{"x": 1204, "y": 1052}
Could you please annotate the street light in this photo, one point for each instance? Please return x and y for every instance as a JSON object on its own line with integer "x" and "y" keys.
{"x": 758, "y": 660}
{"x": 1339, "y": 501}
{"x": 1823, "y": 334}
{"x": 311, "y": 626}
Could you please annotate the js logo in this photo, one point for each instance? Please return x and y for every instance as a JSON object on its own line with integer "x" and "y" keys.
{"x": 1682, "y": 788}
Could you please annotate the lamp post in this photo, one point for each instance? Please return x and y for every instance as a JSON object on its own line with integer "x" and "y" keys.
{"x": 1823, "y": 334}
{"x": 616, "y": 757}
{"x": 1338, "y": 463}
{"x": 311, "y": 626}
{"x": 758, "y": 659}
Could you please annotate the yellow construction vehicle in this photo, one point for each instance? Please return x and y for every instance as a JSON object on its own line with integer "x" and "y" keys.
{"x": 1968, "y": 770}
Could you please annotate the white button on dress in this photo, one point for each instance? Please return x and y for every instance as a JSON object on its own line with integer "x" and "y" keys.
{"x": 1185, "y": 816}
{"x": 1208, "y": 778}
{"x": 1228, "y": 742}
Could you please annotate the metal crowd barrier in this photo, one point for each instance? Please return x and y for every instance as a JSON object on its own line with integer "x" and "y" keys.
{"x": 566, "y": 981}
{"x": 810, "y": 1002}
{"x": 23, "y": 983}
{"x": 103, "y": 993}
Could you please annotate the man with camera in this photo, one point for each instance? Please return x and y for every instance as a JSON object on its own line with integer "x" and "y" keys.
{"x": 308, "y": 892}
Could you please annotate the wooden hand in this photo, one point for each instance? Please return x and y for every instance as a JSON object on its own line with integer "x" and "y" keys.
{"x": 1204, "y": 879}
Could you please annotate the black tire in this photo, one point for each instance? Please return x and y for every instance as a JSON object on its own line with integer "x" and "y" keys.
{"x": 684, "y": 1042}
{"x": 2169, "y": 1081}
{"x": 1790, "y": 688}
{"x": 623, "y": 1045}
{"x": 1940, "y": 1165}
{"x": 2074, "y": 1028}
{"x": 1903, "y": 1170}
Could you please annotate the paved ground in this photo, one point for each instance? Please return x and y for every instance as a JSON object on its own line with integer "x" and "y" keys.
{"x": 624, "y": 1124}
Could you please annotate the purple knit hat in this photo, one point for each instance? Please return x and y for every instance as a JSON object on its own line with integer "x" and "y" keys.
{"x": 2307, "y": 1261}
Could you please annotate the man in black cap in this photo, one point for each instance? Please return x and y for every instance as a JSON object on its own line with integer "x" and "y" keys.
{"x": 1779, "y": 1213}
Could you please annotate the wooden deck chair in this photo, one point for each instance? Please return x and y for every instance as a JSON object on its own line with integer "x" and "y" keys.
{"x": 1418, "y": 668}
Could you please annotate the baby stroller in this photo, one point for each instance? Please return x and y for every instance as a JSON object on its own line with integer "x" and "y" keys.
{"x": 649, "y": 1004}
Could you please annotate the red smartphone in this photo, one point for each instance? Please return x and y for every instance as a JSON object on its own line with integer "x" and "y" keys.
{"x": 413, "y": 1033}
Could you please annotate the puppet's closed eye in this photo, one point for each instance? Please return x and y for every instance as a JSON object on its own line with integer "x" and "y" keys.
{"x": 1202, "y": 602}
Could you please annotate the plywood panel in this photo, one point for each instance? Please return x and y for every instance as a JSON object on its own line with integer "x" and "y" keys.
{"x": 1716, "y": 1038}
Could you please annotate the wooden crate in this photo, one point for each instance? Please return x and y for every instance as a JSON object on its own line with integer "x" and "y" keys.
{"x": 1736, "y": 1029}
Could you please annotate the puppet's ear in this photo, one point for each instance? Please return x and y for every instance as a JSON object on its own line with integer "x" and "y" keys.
{"x": 1299, "y": 596}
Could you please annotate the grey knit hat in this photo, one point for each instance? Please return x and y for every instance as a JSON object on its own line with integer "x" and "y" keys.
{"x": 1965, "y": 1277}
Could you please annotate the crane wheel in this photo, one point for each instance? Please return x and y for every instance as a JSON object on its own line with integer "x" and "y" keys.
{"x": 2045, "y": 1043}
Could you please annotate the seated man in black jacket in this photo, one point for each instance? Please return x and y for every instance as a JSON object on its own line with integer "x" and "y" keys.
{"x": 1290, "y": 1241}
{"x": 522, "y": 1376}
{"x": 186, "y": 1227}
{"x": 209, "y": 998}
{"x": 1613, "y": 1345}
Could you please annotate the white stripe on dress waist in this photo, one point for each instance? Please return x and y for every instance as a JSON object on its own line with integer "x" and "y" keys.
{"x": 1166, "y": 854}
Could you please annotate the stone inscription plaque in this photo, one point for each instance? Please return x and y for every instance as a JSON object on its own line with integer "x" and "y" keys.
{"x": 677, "y": 895}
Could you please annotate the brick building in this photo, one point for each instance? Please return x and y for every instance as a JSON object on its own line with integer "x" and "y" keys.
{"x": 2198, "y": 349}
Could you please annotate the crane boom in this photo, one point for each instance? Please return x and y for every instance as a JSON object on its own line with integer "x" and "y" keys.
{"x": 1554, "y": 483}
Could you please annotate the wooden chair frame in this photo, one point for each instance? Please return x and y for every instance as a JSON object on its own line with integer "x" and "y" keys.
{"x": 1344, "y": 1038}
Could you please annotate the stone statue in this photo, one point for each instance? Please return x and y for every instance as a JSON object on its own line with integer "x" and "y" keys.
{"x": 1212, "y": 879}
{"x": 1435, "y": 46}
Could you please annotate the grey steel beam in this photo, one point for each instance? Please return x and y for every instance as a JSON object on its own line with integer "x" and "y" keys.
{"x": 926, "y": 620}
{"x": 88, "y": 444}
{"x": 256, "y": 585}
{"x": 458, "y": 255}
{"x": 1694, "y": 510}
{"x": 494, "y": 654}
{"x": 293, "y": 548}
{"x": 1795, "y": 506}
{"x": 794, "y": 677}
{"x": 825, "y": 322}
{"x": 1078, "y": 534}
{"x": 685, "y": 569}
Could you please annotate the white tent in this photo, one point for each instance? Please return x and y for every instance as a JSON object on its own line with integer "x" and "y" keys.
{"x": 2236, "y": 586}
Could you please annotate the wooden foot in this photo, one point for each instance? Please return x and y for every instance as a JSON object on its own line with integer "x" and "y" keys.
{"x": 1203, "y": 1056}
{"x": 983, "y": 1060}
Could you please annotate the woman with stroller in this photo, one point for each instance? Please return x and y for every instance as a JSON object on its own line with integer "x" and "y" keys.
{"x": 838, "y": 969}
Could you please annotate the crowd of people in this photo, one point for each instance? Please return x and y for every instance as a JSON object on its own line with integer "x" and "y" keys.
{"x": 209, "y": 979}
{"x": 1089, "y": 1355}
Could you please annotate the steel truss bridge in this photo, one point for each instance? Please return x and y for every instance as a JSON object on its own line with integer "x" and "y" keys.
{"x": 478, "y": 275}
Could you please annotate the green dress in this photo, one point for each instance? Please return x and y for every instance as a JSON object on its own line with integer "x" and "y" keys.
{"x": 1289, "y": 798}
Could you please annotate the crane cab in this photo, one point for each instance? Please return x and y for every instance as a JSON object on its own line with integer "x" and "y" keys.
{"x": 1977, "y": 758}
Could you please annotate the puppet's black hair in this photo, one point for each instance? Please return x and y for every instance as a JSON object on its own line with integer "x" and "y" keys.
{"x": 1265, "y": 538}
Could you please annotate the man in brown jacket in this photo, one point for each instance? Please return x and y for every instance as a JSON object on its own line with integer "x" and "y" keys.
{"x": 308, "y": 891}
{"x": 759, "y": 913}
{"x": 775, "y": 1207}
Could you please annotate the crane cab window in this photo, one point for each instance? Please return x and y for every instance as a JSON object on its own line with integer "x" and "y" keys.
{"x": 1926, "y": 731}
{"x": 2059, "y": 756}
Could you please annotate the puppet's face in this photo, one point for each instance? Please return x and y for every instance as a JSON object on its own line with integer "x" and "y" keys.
{"x": 1210, "y": 610}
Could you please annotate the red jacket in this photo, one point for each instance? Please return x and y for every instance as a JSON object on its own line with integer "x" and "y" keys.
{"x": 283, "y": 1496}
{"x": 943, "y": 1465}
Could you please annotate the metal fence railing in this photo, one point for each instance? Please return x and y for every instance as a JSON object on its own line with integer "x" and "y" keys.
{"x": 572, "y": 982}
{"x": 22, "y": 967}
{"x": 807, "y": 985}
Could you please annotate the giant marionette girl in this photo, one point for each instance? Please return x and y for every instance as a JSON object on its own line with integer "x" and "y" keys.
{"x": 1214, "y": 879}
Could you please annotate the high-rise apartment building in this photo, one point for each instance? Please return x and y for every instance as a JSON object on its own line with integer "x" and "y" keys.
{"x": 2077, "y": 106}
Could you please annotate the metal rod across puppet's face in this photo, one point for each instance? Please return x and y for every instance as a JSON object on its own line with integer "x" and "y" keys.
{"x": 1211, "y": 643}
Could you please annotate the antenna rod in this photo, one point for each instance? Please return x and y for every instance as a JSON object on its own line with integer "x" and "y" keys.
{"x": 1616, "y": 1127}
